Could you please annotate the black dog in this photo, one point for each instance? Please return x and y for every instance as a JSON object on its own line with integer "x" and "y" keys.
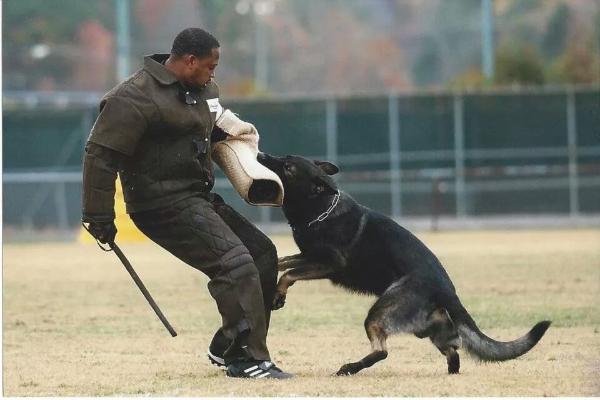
{"x": 367, "y": 252}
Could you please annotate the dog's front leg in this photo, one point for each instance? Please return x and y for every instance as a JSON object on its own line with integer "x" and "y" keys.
{"x": 304, "y": 272}
{"x": 287, "y": 262}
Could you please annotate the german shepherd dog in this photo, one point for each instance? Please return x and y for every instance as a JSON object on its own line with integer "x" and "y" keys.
{"x": 367, "y": 252}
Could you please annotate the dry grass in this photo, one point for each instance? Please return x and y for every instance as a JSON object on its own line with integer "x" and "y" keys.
{"x": 75, "y": 325}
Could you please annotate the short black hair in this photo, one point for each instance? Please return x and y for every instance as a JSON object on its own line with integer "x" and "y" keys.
{"x": 194, "y": 41}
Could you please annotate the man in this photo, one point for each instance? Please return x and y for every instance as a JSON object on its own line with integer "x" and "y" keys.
{"x": 156, "y": 129}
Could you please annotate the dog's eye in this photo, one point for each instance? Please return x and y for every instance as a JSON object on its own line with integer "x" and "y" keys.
{"x": 288, "y": 167}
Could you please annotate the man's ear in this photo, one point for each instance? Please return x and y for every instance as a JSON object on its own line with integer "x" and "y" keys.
{"x": 190, "y": 60}
{"x": 327, "y": 167}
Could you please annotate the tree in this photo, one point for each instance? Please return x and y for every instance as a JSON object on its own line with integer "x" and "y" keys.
{"x": 519, "y": 65}
{"x": 40, "y": 39}
{"x": 553, "y": 41}
{"x": 426, "y": 69}
{"x": 579, "y": 64}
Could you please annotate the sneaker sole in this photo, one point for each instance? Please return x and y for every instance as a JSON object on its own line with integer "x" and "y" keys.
{"x": 216, "y": 361}
{"x": 261, "y": 376}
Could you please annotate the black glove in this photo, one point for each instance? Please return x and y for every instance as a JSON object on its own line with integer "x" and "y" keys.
{"x": 104, "y": 232}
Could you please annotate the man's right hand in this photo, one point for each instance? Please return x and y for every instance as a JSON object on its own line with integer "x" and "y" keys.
{"x": 104, "y": 232}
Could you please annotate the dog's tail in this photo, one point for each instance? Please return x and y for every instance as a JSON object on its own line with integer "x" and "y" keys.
{"x": 488, "y": 349}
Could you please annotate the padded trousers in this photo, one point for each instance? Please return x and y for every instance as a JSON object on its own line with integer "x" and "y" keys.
{"x": 239, "y": 259}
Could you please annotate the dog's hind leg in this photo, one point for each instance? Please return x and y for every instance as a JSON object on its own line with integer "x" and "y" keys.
{"x": 377, "y": 336}
{"x": 401, "y": 308}
{"x": 388, "y": 315}
{"x": 444, "y": 336}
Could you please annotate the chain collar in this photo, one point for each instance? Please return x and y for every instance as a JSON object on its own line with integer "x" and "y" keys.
{"x": 325, "y": 214}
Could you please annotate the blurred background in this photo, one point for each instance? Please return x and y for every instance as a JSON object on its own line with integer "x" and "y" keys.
{"x": 440, "y": 113}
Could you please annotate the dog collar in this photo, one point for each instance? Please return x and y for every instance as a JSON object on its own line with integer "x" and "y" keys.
{"x": 326, "y": 213}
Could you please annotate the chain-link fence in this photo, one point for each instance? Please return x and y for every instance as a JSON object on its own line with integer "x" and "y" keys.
{"x": 458, "y": 154}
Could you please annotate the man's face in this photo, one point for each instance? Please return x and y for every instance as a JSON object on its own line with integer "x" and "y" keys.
{"x": 200, "y": 71}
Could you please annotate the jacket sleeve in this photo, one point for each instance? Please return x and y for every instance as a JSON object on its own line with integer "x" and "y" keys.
{"x": 122, "y": 122}
{"x": 100, "y": 166}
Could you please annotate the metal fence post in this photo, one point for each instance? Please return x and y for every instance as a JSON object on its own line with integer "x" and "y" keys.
{"x": 265, "y": 215}
{"x": 572, "y": 151}
{"x": 40, "y": 196}
{"x": 60, "y": 200}
{"x": 487, "y": 38}
{"x": 123, "y": 38}
{"x": 459, "y": 155}
{"x": 331, "y": 129}
{"x": 395, "y": 171}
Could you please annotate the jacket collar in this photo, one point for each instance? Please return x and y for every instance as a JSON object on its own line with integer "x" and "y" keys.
{"x": 153, "y": 64}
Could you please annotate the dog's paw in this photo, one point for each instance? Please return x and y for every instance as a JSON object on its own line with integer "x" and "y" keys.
{"x": 453, "y": 363}
{"x": 278, "y": 301}
{"x": 349, "y": 369}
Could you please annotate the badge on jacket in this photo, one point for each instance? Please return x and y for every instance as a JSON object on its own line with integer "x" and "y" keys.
{"x": 214, "y": 106}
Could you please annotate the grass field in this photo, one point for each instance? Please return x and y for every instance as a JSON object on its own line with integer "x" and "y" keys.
{"x": 74, "y": 324}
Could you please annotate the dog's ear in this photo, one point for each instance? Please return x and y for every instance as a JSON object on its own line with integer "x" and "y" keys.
{"x": 327, "y": 167}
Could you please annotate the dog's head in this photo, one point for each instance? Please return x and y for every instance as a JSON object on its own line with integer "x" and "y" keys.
{"x": 302, "y": 179}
